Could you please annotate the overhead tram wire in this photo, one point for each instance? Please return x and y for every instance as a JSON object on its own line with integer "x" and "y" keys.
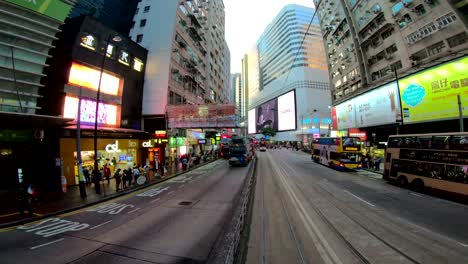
{"x": 302, "y": 41}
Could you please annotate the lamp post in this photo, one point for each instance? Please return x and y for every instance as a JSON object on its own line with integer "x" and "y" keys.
{"x": 96, "y": 114}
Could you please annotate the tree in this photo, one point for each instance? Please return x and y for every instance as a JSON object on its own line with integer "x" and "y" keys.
{"x": 268, "y": 131}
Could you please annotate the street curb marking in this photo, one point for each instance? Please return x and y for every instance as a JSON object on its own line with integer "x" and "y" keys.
{"x": 48, "y": 243}
{"x": 94, "y": 227}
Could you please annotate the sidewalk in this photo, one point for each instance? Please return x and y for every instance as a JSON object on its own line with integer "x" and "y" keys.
{"x": 59, "y": 202}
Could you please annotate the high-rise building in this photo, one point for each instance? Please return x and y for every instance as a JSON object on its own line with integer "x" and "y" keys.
{"x": 290, "y": 56}
{"x": 388, "y": 64}
{"x": 28, "y": 140}
{"x": 367, "y": 41}
{"x": 239, "y": 98}
{"x": 187, "y": 55}
{"x": 116, "y": 14}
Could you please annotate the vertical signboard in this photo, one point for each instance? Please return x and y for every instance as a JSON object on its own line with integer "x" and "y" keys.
{"x": 287, "y": 111}
{"x": 267, "y": 116}
{"x": 431, "y": 95}
{"x": 251, "y": 125}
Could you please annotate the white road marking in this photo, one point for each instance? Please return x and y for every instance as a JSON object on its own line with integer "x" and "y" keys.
{"x": 48, "y": 243}
{"x": 94, "y": 227}
{"x": 155, "y": 200}
{"x": 357, "y": 197}
{"x": 134, "y": 210}
{"x": 464, "y": 245}
{"x": 415, "y": 194}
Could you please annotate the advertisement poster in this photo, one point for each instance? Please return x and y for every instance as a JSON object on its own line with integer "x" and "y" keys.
{"x": 378, "y": 107}
{"x": 345, "y": 115}
{"x": 266, "y": 116}
{"x": 251, "y": 127}
{"x": 432, "y": 94}
{"x": 287, "y": 111}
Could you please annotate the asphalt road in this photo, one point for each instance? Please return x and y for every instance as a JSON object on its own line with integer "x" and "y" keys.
{"x": 177, "y": 221}
{"x": 308, "y": 213}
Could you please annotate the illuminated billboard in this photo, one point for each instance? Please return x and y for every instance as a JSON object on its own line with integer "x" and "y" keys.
{"x": 267, "y": 116}
{"x": 251, "y": 127}
{"x": 84, "y": 76}
{"x": 378, "y": 107}
{"x": 344, "y": 115}
{"x": 432, "y": 94}
{"x": 287, "y": 111}
{"x": 107, "y": 113}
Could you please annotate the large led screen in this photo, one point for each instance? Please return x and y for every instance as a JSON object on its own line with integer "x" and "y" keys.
{"x": 251, "y": 127}
{"x": 84, "y": 76}
{"x": 432, "y": 94}
{"x": 378, "y": 107}
{"x": 107, "y": 113}
{"x": 267, "y": 116}
{"x": 287, "y": 111}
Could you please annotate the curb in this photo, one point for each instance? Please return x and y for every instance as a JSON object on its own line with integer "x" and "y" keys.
{"x": 110, "y": 197}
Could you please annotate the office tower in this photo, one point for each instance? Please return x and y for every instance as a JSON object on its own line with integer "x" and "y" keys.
{"x": 290, "y": 56}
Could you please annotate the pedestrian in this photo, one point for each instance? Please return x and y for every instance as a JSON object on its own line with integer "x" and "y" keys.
{"x": 87, "y": 176}
{"x": 27, "y": 198}
{"x": 124, "y": 179}
{"x": 162, "y": 168}
{"x": 97, "y": 180}
{"x": 107, "y": 173}
{"x": 118, "y": 179}
{"x": 129, "y": 175}
{"x": 136, "y": 174}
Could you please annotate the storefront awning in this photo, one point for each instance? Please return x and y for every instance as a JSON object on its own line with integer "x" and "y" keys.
{"x": 25, "y": 120}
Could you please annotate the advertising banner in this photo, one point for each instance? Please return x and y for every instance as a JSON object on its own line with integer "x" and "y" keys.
{"x": 251, "y": 127}
{"x": 267, "y": 116}
{"x": 345, "y": 115}
{"x": 200, "y": 116}
{"x": 55, "y": 9}
{"x": 287, "y": 111}
{"x": 378, "y": 107}
{"x": 432, "y": 94}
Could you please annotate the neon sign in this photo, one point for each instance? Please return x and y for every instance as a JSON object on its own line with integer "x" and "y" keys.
{"x": 113, "y": 148}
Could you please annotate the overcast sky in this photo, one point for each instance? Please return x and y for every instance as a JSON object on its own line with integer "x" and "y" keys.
{"x": 245, "y": 22}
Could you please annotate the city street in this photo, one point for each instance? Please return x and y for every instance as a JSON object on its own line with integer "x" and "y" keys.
{"x": 307, "y": 213}
{"x": 177, "y": 221}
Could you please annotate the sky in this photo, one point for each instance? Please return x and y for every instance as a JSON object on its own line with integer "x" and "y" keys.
{"x": 245, "y": 22}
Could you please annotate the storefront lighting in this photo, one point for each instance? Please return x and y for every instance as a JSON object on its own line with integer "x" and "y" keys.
{"x": 84, "y": 76}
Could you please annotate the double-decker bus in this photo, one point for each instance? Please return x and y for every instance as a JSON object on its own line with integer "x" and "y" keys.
{"x": 437, "y": 161}
{"x": 338, "y": 152}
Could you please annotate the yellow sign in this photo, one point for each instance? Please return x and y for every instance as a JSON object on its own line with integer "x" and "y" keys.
{"x": 351, "y": 148}
{"x": 432, "y": 94}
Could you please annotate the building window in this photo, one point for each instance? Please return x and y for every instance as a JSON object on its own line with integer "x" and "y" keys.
{"x": 139, "y": 38}
{"x": 436, "y": 48}
{"x": 419, "y": 10}
{"x": 457, "y": 40}
{"x": 392, "y": 49}
{"x": 405, "y": 20}
{"x": 420, "y": 55}
{"x": 142, "y": 22}
{"x": 396, "y": 66}
{"x": 387, "y": 33}
{"x": 133, "y": 24}
{"x": 446, "y": 20}
{"x": 432, "y": 3}
{"x": 147, "y": 8}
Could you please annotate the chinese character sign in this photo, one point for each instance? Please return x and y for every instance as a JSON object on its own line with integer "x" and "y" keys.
{"x": 432, "y": 94}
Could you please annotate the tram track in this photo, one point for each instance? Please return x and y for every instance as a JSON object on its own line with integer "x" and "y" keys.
{"x": 335, "y": 230}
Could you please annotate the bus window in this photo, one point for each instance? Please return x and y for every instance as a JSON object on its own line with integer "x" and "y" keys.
{"x": 395, "y": 142}
{"x": 333, "y": 155}
{"x": 423, "y": 142}
{"x": 459, "y": 143}
{"x": 440, "y": 142}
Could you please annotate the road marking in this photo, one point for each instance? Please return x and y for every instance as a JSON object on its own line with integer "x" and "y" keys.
{"x": 112, "y": 208}
{"x": 170, "y": 193}
{"x": 53, "y": 226}
{"x": 48, "y": 243}
{"x": 94, "y": 227}
{"x": 155, "y": 200}
{"x": 360, "y": 198}
{"x": 415, "y": 194}
{"x": 464, "y": 245}
{"x": 134, "y": 210}
{"x": 17, "y": 213}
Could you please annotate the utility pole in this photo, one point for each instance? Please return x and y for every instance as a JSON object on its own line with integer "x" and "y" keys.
{"x": 78, "y": 150}
{"x": 460, "y": 113}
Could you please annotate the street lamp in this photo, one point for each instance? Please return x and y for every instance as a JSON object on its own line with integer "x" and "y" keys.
{"x": 114, "y": 38}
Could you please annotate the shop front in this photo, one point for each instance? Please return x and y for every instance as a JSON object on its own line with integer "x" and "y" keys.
{"x": 116, "y": 153}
